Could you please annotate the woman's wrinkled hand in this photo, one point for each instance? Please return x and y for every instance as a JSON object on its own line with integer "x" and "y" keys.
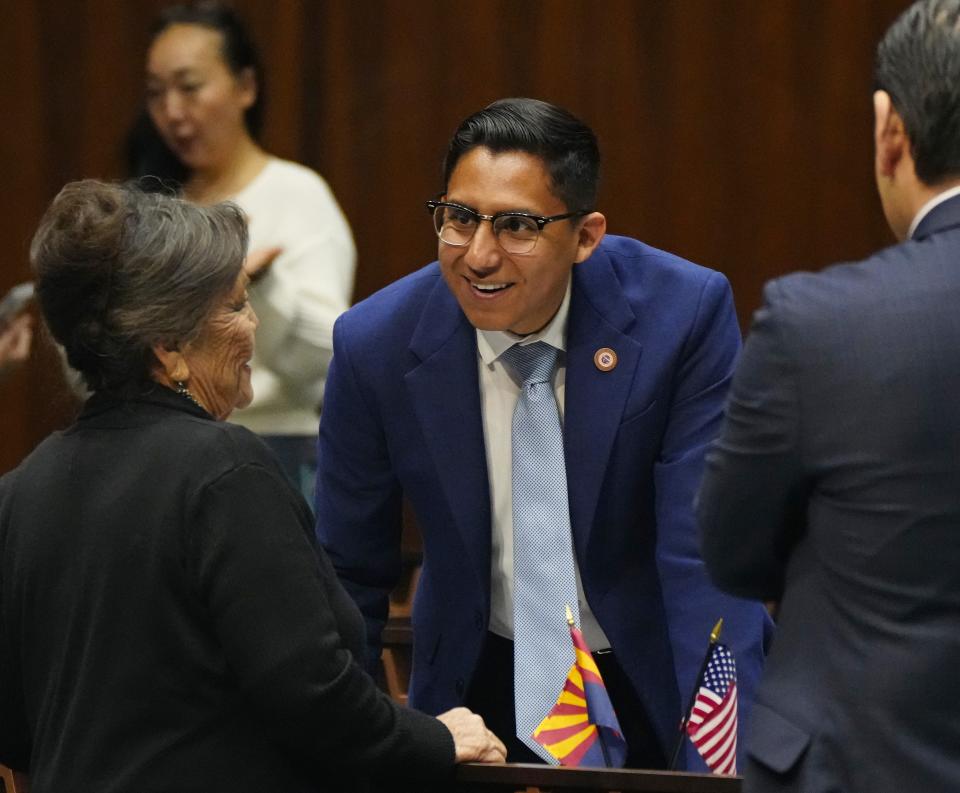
{"x": 474, "y": 743}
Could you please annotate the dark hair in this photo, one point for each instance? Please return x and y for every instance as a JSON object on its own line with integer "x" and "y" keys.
{"x": 918, "y": 64}
{"x": 118, "y": 270}
{"x": 567, "y": 146}
{"x": 146, "y": 153}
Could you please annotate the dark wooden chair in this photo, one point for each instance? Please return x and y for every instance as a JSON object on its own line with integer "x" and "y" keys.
{"x": 398, "y": 635}
{"x": 397, "y": 656}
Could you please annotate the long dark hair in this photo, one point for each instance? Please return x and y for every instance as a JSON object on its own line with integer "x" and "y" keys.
{"x": 146, "y": 153}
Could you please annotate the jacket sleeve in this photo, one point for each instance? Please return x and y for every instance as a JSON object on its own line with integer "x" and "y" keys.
{"x": 278, "y": 612}
{"x": 692, "y": 603}
{"x": 751, "y": 503}
{"x": 359, "y": 516}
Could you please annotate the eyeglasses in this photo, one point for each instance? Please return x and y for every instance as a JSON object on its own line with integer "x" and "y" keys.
{"x": 516, "y": 232}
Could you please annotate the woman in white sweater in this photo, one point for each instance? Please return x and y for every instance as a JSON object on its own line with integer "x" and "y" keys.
{"x": 199, "y": 131}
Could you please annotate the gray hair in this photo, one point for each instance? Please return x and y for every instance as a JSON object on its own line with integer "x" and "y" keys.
{"x": 119, "y": 270}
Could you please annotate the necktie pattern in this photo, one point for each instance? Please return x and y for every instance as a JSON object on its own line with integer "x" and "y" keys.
{"x": 543, "y": 568}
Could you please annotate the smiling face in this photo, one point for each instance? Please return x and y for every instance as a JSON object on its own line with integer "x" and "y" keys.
{"x": 216, "y": 366}
{"x": 499, "y": 290}
{"x": 196, "y": 103}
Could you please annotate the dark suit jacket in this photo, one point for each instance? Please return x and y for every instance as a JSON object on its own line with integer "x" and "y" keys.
{"x": 402, "y": 418}
{"x": 166, "y": 622}
{"x": 835, "y": 485}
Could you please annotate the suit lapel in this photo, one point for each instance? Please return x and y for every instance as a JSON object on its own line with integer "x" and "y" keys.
{"x": 445, "y": 393}
{"x": 595, "y": 400}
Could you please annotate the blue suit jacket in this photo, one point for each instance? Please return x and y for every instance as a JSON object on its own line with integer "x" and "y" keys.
{"x": 402, "y": 419}
{"x": 835, "y": 488}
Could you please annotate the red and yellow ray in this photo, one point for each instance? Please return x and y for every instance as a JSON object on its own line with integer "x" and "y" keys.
{"x": 566, "y": 732}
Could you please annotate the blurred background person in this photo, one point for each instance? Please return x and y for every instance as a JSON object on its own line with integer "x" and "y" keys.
{"x": 204, "y": 110}
{"x": 166, "y": 618}
{"x": 16, "y": 338}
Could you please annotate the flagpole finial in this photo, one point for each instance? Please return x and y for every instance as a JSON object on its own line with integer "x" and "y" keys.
{"x": 569, "y": 616}
{"x": 715, "y": 633}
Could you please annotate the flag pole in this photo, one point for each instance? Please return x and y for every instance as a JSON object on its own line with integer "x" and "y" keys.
{"x": 603, "y": 744}
{"x": 714, "y": 638}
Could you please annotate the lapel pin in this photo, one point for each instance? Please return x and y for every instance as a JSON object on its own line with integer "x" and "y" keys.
{"x": 605, "y": 359}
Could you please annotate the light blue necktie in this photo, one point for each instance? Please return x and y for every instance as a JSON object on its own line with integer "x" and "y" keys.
{"x": 543, "y": 571}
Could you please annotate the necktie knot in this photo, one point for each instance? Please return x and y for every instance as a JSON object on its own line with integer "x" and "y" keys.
{"x": 533, "y": 363}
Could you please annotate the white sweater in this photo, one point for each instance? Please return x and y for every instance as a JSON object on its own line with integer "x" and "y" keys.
{"x": 308, "y": 286}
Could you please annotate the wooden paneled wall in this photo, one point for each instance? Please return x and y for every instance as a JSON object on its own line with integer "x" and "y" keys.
{"x": 737, "y": 133}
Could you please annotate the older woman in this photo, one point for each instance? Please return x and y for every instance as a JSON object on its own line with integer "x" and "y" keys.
{"x": 166, "y": 620}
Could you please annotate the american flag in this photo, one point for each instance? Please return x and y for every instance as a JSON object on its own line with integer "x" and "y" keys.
{"x": 712, "y": 725}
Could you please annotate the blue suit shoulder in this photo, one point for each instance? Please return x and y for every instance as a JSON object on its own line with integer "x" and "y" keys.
{"x": 666, "y": 292}
{"x": 657, "y": 284}
{"x": 387, "y": 313}
{"x": 648, "y": 274}
{"x": 637, "y": 261}
{"x": 846, "y": 287}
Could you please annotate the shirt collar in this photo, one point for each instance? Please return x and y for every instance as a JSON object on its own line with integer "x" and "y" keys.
{"x": 939, "y": 198}
{"x": 491, "y": 344}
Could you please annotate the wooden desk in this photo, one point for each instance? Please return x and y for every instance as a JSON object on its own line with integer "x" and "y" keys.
{"x": 513, "y": 777}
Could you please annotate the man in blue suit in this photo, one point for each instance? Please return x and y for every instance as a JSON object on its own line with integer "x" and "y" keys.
{"x": 419, "y": 404}
{"x": 835, "y": 484}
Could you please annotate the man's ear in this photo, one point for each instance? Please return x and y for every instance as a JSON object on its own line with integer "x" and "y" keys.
{"x": 592, "y": 229}
{"x": 173, "y": 366}
{"x": 889, "y": 134}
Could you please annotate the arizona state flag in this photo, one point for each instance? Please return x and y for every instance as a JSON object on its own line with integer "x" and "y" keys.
{"x": 582, "y": 728}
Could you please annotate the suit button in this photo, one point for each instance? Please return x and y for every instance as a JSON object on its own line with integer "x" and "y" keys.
{"x": 478, "y": 620}
{"x": 459, "y": 687}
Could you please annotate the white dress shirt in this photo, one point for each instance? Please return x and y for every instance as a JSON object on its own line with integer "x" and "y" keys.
{"x": 925, "y": 209}
{"x": 498, "y": 398}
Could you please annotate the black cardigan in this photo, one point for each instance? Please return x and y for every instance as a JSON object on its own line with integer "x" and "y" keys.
{"x": 167, "y": 621}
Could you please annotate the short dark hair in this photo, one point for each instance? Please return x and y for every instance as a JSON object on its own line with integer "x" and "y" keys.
{"x": 146, "y": 152}
{"x": 118, "y": 270}
{"x": 567, "y": 146}
{"x": 918, "y": 64}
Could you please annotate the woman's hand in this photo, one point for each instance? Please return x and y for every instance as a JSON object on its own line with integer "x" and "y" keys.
{"x": 257, "y": 264}
{"x": 15, "y": 339}
{"x": 471, "y": 738}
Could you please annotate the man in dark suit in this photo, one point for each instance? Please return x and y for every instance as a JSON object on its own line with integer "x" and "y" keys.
{"x": 834, "y": 486}
{"x": 420, "y": 402}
